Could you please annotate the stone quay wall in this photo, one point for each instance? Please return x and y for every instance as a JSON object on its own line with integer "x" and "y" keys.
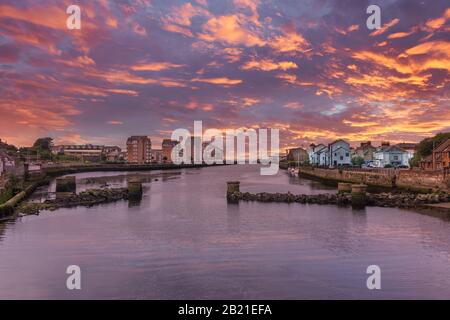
{"x": 406, "y": 179}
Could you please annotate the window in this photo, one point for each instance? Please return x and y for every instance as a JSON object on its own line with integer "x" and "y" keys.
{"x": 346, "y": 154}
{"x": 342, "y": 158}
{"x": 395, "y": 158}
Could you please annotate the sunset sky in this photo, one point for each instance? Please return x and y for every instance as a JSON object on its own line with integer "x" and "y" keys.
{"x": 310, "y": 68}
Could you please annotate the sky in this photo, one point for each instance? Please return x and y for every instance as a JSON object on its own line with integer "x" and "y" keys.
{"x": 310, "y": 68}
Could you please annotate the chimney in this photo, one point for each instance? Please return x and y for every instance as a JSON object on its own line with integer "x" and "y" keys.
{"x": 385, "y": 143}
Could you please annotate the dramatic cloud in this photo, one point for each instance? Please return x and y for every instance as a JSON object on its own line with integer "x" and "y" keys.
{"x": 309, "y": 68}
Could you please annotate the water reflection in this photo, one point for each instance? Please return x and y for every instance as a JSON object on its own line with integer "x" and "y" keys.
{"x": 184, "y": 241}
{"x": 233, "y": 218}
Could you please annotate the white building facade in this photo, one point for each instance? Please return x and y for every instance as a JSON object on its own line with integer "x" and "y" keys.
{"x": 339, "y": 153}
{"x": 390, "y": 156}
{"x": 318, "y": 155}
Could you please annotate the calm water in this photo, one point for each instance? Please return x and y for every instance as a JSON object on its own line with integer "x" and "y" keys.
{"x": 183, "y": 241}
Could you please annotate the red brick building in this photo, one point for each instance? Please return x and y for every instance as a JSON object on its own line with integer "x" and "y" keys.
{"x": 439, "y": 159}
{"x": 139, "y": 149}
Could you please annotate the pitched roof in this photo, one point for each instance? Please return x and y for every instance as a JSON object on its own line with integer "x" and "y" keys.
{"x": 444, "y": 146}
{"x": 405, "y": 145}
{"x": 295, "y": 149}
{"x": 338, "y": 149}
{"x": 336, "y": 141}
{"x": 390, "y": 149}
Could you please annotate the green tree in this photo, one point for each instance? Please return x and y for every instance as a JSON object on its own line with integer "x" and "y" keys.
{"x": 357, "y": 161}
{"x": 43, "y": 144}
{"x": 43, "y": 148}
{"x": 425, "y": 147}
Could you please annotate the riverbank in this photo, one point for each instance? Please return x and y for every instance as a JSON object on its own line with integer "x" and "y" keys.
{"x": 86, "y": 198}
{"x": 409, "y": 180}
{"x": 7, "y": 208}
{"x": 63, "y": 170}
{"x": 36, "y": 179}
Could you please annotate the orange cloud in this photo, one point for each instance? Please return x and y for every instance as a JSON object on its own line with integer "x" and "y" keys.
{"x": 252, "y": 6}
{"x": 289, "y": 42}
{"x": 294, "y": 105}
{"x": 115, "y": 122}
{"x": 382, "y": 60}
{"x": 437, "y": 23}
{"x": 219, "y": 81}
{"x": 402, "y": 34}
{"x": 232, "y": 54}
{"x": 155, "y": 66}
{"x": 183, "y": 14}
{"x": 193, "y": 105}
{"x": 50, "y": 17}
{"x": 230, "y": 29}
{"x": 177, "y": 29}
{"x": 122, "y": 91}
{"x": 385, "y": 28}
{"x": 248, "y": 102}
{"x": 269, "y": 65}
{"x": 71, "y": 138}
{"x": 119, "y": 76}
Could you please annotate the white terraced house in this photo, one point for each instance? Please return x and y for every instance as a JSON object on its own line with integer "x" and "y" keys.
{"x": 339, "y": 153}
{"x": 318, "y": 155}
{"x": 390, "y": 156}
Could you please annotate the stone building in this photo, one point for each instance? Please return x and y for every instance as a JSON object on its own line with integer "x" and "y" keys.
{"x": 365, "y": 151}
{"x": 297, "y": 154}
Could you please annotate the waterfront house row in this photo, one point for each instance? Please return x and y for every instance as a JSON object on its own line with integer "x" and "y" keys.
{"x": 393, "y": 156}
{"x": 335, "y": 154}
{"x": 339, "y": 153}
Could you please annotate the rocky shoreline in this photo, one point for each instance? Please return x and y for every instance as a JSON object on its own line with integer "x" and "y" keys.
{"x": 401, "y": 200}
{"x": 86, "y": 198}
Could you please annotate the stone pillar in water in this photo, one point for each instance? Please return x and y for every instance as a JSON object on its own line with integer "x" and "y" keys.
{"x": 359, "y": 195}
{"x": 344, "y": 187}
{"x": 134, "y": 189}
{"x": 232, "y": 187}
{"x": 66, "y": 184}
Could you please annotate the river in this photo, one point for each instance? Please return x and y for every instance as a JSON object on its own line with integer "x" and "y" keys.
{"x": 183, "y": 241}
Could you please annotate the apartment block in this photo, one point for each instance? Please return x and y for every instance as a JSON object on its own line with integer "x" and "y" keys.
{"x": 139, "y": 149}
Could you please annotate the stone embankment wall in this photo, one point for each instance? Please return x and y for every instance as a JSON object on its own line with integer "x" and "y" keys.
{"x": 408, "y": 179}
{"x": 56, "y": 170}
{"x": 8, "y": 207}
